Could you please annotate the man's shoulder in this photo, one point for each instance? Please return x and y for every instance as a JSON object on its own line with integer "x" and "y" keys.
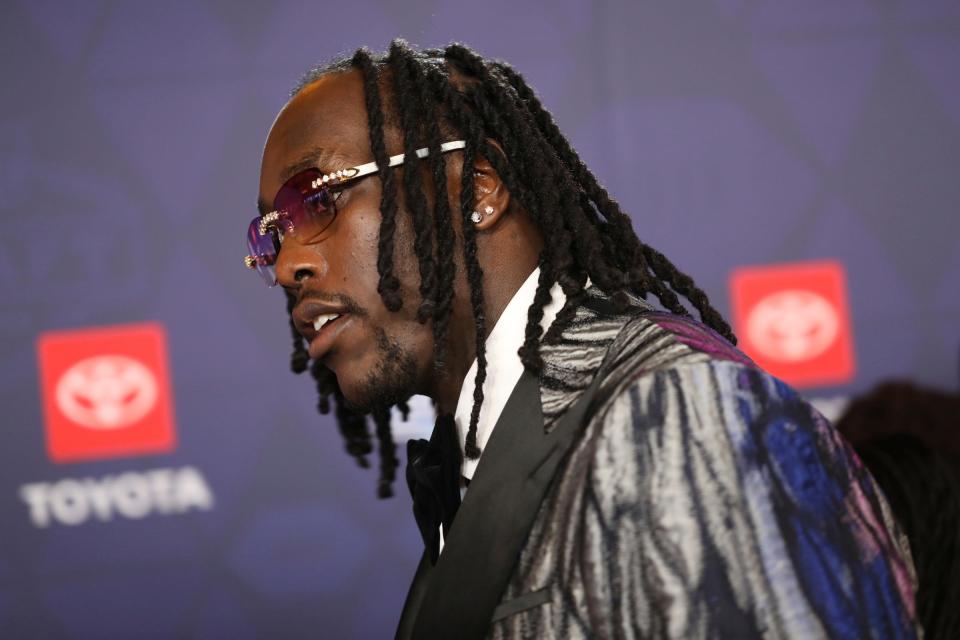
{"x": 652, "y": 340}
{"x": 621, "y": 345}
{"x": 643, "y": 340}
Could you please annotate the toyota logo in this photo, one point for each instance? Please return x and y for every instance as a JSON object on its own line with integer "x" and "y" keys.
{"x": 793, "y": 325}
{"x": 106, "y": 392}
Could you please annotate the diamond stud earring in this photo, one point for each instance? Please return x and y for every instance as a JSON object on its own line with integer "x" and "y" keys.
{"x": 488, "y": 210}
{"x": 475, "y": 217}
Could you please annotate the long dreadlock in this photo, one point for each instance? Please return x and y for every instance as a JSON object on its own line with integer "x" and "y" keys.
{"x": 438, "y": 93}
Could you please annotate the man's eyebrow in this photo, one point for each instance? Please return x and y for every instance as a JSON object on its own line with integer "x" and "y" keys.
{"x": 316, "y": 157}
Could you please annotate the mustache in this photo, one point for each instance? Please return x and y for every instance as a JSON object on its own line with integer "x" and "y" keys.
{"x": 335, "y": 299}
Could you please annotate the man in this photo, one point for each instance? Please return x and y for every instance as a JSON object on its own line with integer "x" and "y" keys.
{"x": 625, "y": 472}
{"x": 908, "y": 437}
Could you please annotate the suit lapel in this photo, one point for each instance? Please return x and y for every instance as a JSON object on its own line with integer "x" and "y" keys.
{"x": 414, "y": 598}
{"x": 457, "y": 597}
{"x": 496, "y": 516}
{"x": 485, "y": 538}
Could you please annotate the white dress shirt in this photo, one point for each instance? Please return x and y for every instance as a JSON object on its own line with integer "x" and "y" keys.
{"x": 503, "y": 365}
{"x": 503, "y": 368}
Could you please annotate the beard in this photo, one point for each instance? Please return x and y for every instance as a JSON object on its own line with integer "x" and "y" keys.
{"x": 392, "y": 381}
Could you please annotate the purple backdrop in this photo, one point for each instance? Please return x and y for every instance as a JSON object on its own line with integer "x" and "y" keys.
{"x": 736, "y": 133}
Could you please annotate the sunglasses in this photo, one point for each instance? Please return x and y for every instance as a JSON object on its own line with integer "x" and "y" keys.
{"x": 305, "y": 206}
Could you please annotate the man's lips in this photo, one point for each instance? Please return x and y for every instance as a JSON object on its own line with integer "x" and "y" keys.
{"x": 323, "y": 340}
{"x": 319, "y": 323}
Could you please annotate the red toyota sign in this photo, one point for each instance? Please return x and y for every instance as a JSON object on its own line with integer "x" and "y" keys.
{"x": 794, "y": 321}
{"x": 106, "y": 392}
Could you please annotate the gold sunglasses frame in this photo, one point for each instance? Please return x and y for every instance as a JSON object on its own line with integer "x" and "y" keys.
{"x": 343, "y": 176}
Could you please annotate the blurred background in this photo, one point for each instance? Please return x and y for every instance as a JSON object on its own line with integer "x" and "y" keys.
{"x": 163, "y": 474}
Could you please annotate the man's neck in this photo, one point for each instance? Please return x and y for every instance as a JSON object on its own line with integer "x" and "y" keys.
{"x": 461, "y": 350}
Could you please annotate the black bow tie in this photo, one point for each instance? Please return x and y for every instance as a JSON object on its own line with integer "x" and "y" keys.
{"x": 433, "y": 475}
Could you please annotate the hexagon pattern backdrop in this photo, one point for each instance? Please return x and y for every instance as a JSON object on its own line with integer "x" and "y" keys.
{"x": 736, "y": 133}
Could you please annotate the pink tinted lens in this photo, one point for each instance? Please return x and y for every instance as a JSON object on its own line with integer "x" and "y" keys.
{"x": 305, "y": 209}
{"x": 263, "y": 251}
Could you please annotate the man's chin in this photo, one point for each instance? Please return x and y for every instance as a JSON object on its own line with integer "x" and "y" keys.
{"x": 374, "y": 395}
{"x": 391, "y": 381}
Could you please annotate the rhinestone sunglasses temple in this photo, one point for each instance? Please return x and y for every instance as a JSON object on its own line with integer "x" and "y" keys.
{"x": 342, "y": 176}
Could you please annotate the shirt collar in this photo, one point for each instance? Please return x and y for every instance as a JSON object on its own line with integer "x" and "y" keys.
{"x": 503, "y": 364}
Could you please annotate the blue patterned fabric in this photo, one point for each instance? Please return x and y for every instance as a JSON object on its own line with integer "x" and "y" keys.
{"x": 704, "y": 499}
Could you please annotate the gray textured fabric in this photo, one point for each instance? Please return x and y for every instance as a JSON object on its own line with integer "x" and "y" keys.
{"x": 702, "y": 499}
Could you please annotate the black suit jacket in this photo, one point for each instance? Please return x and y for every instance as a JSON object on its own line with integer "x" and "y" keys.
{"x": 654, "y": 483}
{"x": 459, "y": 596}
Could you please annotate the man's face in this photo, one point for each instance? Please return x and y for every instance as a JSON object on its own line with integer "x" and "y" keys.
{"x": 378, "y": 356}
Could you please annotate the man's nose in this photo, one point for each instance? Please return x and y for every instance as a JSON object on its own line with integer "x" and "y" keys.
{"x": 297, "y": 262}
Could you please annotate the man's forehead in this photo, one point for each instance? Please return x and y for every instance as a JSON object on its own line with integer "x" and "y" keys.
{"x": 332, "y": 104}
{"x": 324, "y": 122}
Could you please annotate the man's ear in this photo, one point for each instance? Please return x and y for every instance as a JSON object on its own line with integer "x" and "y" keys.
{"x": 492, "y": 197}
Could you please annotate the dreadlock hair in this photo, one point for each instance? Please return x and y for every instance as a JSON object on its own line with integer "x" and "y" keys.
{"x": 430, "y": 96}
